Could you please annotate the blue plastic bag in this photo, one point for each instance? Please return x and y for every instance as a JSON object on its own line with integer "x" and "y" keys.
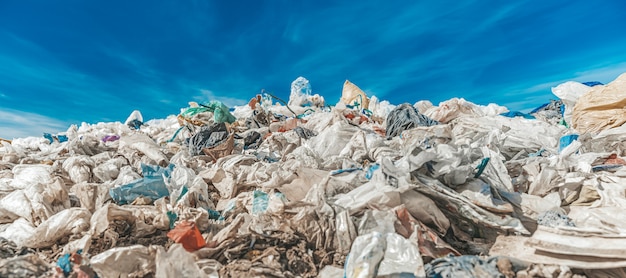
{"x": 371, "y": 170}
{"x": 566, "y": 140}
{"x": 151, "y": 185}
{"x": 260, "y": 201}
{"x": 592, "y": 83}
{"x": 64, "y": 264}
{"x": 513, "y": 114}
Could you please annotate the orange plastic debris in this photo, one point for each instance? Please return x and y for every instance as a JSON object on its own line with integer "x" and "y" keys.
{"x": 187, "y": 234}
{"x": 613, "y": 159}
{"x": 289, "y": 125}
{"x": 253, "y": 102}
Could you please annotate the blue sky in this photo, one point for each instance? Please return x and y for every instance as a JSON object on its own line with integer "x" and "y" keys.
{"x": 66, "y": 62}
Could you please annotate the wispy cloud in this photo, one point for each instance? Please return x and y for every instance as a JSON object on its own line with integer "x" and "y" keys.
{"x": 208, "y": 95}
{"x": 17, "y": 124}
{"x": 74, "y": 69}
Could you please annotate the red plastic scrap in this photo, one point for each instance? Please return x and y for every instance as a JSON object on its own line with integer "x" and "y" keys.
{"x": 289, "y": 125}
{"x": 253, "y": 102}
{"x": 353, "y": 115}
{"x": 187, "y": 234}
{"x": 613, "y": 160}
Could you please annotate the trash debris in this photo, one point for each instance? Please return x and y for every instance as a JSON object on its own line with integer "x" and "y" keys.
{"x": 55, "y": 138}
{"x": 361, "y": 189}
{"x": 29, "y": 265}
{"x": 602, "y": 107}
{"x": 552, "y": 218}
{"x": 134, "y": 120}
{"x": 151, "y": 186}
{"x": 551, "y": 112}
{"x": 301, "y": 94}
{"x": 463, "y": 266}
{"x": 566, "y": 140}
{"x": 208, "y": 137}
{"x": 110, "y": 138}
{"x": 187, "y": 234}
{"x": 353, "y": 96}
{"x": 405, "y": 117}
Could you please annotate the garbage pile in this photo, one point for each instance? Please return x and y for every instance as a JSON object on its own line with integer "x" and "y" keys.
{"x": 299, "y": 188}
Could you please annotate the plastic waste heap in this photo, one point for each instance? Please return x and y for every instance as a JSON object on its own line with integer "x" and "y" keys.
{"x": 300, "y": 188}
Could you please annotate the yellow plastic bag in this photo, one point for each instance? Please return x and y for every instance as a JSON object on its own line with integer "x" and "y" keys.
{"x": 351, "y": 94}
{"x": 603, "y": 107}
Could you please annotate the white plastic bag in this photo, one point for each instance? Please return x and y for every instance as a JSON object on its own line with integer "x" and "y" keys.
{"x": 176, "y": 262}
{"x": 71, "y": 221}
{"x": 366, "y": 253}
{"x": 122, "y": 261}
{"x": 569, "y": 92}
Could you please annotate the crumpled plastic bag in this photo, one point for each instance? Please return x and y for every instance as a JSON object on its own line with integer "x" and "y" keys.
{"x": 91, "y": 195}
{"x": 176, "y": 262}
{"x": 569, "y": 93}
{"x": 405, "y": 117}
{"x": 36, "y": 202}
{"x": 208, "y": 137}
{"x": 375, "y": 254}
{"x": 140, "y": 143}
{"x": 152, "y": 185}
{"x": 351, "y": 94}
{"x": 601, "y": 108}
{"x": 110, "y": 169}
{"x": 123, "y": 261}
{"x": 380, "y": 108}
{"x": 332, "y": 140}
{"x": 143, "y": 223}
{"x": 459, "y": 107}
{"x": 72, "y": 221}
{"x": 79, "y": 168}
{"x": 26, "y": 174}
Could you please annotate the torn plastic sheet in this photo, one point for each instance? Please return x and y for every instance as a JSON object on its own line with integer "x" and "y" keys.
{"x": 375, "y": 254}
{"x": 430, "y": 245}
{"x": 465, "y": 208}
{"x": 523, "y": 248}
{"x": 569, "y": 93}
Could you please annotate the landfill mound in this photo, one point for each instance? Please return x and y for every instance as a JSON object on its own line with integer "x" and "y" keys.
{"x": 300, "y": 188}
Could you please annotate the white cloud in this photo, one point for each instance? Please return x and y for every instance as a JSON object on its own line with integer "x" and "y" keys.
{"x": 18, "y": 124}
{"x": 208, "y": 95}
{"x": 604, "y": 74}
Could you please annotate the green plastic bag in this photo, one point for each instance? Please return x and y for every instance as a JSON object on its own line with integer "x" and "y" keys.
{"x": 220, "y": 112}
